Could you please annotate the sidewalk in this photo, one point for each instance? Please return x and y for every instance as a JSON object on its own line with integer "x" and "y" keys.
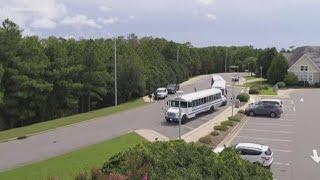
{"x": 151, "y": 135}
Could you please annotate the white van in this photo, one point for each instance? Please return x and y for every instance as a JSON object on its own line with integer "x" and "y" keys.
{"x": 255, "y": 153}
{"x": 192, "y": 104}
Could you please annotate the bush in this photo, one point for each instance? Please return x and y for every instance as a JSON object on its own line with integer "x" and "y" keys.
{"x": 221, "y": 128}
{"x": 254, "y": 90}
{"x": 241, "y": 111}
{"x": 234, "y": 118}
{"x": 243, "y": 97}
{"x": 227, "y": 123}
{"x": 180, "y": 160}
{"x": 206, "y": 140}
{"x": 215, "y": 133}
{"x": 291, "y": 79}
{"x": 281, "y": 85}
{"x": 317, "y": 85}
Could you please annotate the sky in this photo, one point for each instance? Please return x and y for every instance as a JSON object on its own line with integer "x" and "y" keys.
{"x": 260, "y": 23}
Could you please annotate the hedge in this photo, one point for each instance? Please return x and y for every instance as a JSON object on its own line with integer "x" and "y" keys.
{"x": 254, "y": 90}
{"x": 206, "y": 139}
{"x": 180, "y": 160}
{"x": 215, "y": 133}
{"x": 221, "y": 128}
{"x": 227, "y": 123}
{"x": 243, "y": 97}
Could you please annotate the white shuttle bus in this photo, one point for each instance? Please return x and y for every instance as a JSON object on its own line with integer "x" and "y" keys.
{"x": 219, "y": 83}
{"x": 193, "y": 103}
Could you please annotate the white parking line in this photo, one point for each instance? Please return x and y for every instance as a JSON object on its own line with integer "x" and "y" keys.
{"x": 289, "y": 120}
{"x": 266, "y": 139}
{"x": 271, "y": 131}
{"x": 281, "y": 164}
{"x": 271, "y": 124}
{"x": 281, "y": 150}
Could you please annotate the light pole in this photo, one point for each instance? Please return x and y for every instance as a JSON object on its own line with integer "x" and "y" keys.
{"x": 261, "y": 73}
{"x": 225, "y": 61}
{"x": 179, "y": 97}
{"x": 232, "y": 97}
{"x": 115, "y": 73}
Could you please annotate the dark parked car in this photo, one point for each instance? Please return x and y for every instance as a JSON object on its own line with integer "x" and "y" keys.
{"x": 264, "y": 109}
{"x": 173, "y": 88}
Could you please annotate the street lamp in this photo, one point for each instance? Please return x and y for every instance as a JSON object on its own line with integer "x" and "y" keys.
{"x": 179, "y": 93}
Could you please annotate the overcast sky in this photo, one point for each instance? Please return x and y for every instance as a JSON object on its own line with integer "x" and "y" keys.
{"x": 261, "y": 23}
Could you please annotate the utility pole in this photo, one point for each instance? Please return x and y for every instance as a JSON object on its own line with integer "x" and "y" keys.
{"x": 225, "y": 60}
{"x": 115, "y": 73}
{"x": 232, "y": 97}
{"x": 261, "y": 73}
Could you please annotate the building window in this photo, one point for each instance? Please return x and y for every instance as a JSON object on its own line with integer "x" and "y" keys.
{"x": 303, "y": 68}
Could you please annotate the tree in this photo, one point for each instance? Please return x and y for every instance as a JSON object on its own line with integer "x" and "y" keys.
{"x": 278, "y": 69}
{"x": 94, "y": 75}
{"x": 291, "y": 79}
{"x": 25, "y": 90}
{"x": 264, "y": 60}
{"x": 61, "y": 73}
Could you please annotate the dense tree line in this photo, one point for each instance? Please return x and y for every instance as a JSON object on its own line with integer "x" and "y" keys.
{"x": 43, "y": 79}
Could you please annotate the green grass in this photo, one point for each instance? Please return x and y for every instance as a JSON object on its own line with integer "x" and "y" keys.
{"x": 67, "y": 166}
{"x": 250, "y": 77}
{"x": 260, "y": 82}
{"x": 40, "y": 127}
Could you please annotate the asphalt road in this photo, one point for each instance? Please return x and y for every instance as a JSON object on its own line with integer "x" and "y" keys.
{"x": 49, "y": 144}
{"x": 293, "y": 137}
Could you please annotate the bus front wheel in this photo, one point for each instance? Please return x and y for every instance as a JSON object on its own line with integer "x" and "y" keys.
{"x": 212, "y": 109}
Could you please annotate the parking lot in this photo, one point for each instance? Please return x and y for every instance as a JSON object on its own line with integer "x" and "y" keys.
{"x": 292, "y": 137}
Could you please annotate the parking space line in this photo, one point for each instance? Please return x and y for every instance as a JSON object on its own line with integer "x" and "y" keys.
{"x": 271, "y": 124}
{"x": 289, "y": 120}
{"x": 266, "y": 139}
{"x": 281, "y": 150}
{"x": 271, "y": 131}
{"x": 281, "y": 164}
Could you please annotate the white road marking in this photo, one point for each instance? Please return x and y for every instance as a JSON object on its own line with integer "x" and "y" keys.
{"x": 188, "y": 127}
{"x": 271, "y": 131}
{"x": 271, "y": 124}
{"x": 266, "y": 139}
{"x": 281, "y": 164}
{"x": 281, "y": 150}
{"x": 289, "y": 120}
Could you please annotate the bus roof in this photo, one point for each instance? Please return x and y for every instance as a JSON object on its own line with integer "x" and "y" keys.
{"x": 200, "y": 94}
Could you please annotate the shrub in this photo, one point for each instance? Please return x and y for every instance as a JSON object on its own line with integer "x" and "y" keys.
{"x": 254, "y": 90}
{"x": 221, "y": 128}
{"x": 317, "y": 85}
{"x": 215, "y": 133}
{"x": 180, "y": 160}
{"x": 291, "y": 79}
{"x": 243, "y": 97}
{"x": 234, "y": 118}
{"x": 241, "y": 111}
{"x": 227, "y": 123}
{"x": 206, "y": 139}
{"x": 281, "y": 85}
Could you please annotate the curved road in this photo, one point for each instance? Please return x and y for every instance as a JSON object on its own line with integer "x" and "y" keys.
{"x": 65, "y": 139}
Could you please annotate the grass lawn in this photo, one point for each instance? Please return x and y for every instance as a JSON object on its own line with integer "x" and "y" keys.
{"x": 39, "y": 127}
{"x": 263, "y": 82}
{"x": 67, "y": 166}
{"x": 250, "y": 77}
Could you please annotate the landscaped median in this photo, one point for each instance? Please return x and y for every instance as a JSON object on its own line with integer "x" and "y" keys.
{"x": 69, "y": 165}
{"x": 69, "y": 120}
{"x": 221, "y": 131}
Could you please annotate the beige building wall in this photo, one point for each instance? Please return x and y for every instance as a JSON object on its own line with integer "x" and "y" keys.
{"x": 312, "y": 75}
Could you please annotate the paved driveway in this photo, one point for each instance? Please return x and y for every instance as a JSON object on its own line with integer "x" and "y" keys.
{"x": 291, "y": 137}
{"x": 65, "y": 139}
